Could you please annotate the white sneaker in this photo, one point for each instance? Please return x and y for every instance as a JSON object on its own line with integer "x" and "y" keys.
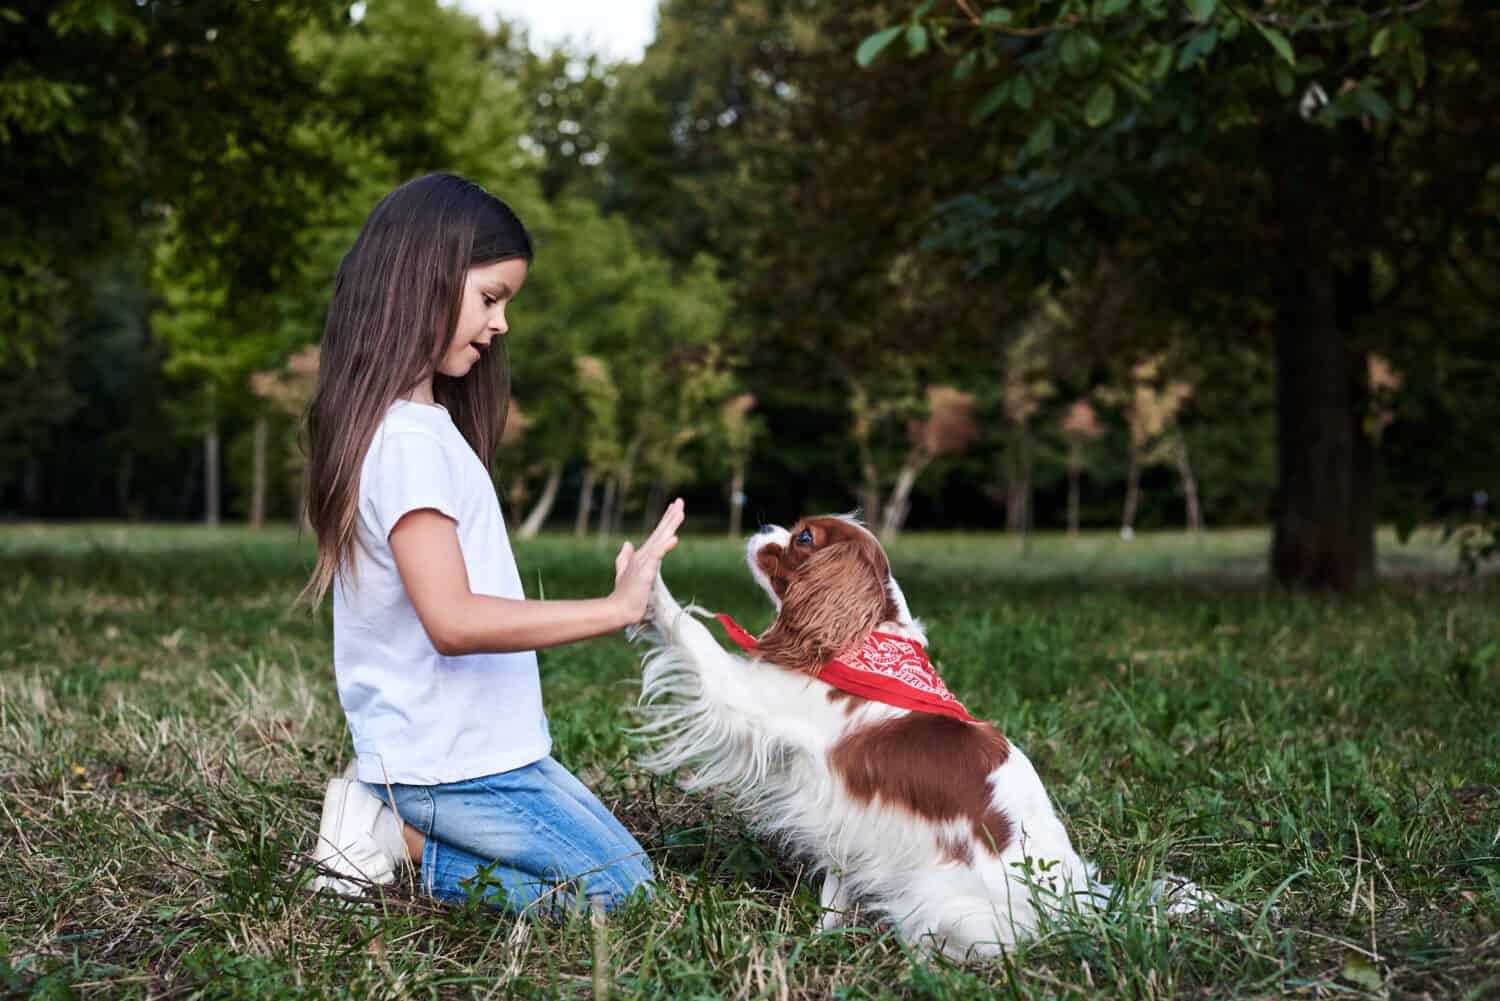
{"x": 357, "y": 839}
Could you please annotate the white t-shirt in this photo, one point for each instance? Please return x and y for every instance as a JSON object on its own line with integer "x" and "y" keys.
{"x": 416, "y": 716}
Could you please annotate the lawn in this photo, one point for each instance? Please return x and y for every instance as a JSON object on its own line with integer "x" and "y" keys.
{"x": 1332, "y": 766}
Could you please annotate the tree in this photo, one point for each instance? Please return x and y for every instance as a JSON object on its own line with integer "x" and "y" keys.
{"x": 748, "y": 131}
{"x": 1190, "y": 132}
{"x": 1024, "y": 387}
{"x": 604, "y": 454}
{"x": 97, "y": 147}
{"x": 286, "y": 393}
{"x": 739, "y": 430}
{"x": 946, "y": 429}
{"x": 1151, "y": 401}
{"x": 1080, "y": 426}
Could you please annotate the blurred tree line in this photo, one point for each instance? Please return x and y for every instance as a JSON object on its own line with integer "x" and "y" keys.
{"x": 1120, "y": 262}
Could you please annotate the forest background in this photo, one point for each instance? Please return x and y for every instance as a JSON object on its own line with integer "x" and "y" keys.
{"x": 1125, "y": 264}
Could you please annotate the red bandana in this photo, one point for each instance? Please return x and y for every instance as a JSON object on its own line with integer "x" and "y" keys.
{"x": 884, "y": 668}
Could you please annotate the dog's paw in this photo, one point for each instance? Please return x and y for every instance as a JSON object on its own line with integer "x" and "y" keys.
{"x": 834, "y": 920}
{"x": 1184, "y": 897}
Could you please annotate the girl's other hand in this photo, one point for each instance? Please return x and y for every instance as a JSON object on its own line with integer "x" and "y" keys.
{"x": 635, "y": 569}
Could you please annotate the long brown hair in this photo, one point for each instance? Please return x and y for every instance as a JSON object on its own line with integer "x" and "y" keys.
{"x": 395, "y": 306}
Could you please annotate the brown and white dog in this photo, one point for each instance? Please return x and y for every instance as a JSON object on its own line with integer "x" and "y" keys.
{"x": 938, "y": 824}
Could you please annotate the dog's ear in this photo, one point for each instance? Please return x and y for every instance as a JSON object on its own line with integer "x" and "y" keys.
{"x": 832, "y": 602}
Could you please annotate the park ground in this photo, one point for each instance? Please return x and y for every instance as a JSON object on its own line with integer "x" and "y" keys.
{"x": 167, "y": 723}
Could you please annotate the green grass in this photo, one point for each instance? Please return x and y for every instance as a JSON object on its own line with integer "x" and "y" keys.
{"x": 167, "y": 724}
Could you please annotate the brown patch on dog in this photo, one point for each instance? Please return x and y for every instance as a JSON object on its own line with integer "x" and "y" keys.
{"x": 956, "y": 850}
{"x": 935, "y": 766}
{"x": 833, "y": 587}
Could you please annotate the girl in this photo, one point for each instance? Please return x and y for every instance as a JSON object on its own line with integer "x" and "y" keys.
{"x": 433, "y": 644}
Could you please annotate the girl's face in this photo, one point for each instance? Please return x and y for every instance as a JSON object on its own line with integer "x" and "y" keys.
{"x": 487, "y": 290}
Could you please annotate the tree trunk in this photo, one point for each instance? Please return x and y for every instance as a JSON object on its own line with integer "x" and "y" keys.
{"x": 260, "y": 438}
{"x": 31, "y": 486}
{"x": 543, "y": 505}
{"x": 211, "y": 475}
{"x": 304, "y": 520}
{"x": 869, "y": 487}
{"x": 124, "y": 470}
{"x": 1018, "y": 482}
{"x": 607, "y": 506}
{"x": 1325, "y": 504}
{"x": 585, "y": 504}
{"x": 736, "y": 498}
{"x": 627, "y": 479}
{"x": 899, "y": 502}
{"x": 1075, "y": 468}
{"x": 1132, "y": 490}
{"x": 1189, "y": 484}
{"x": 652, "y": 505}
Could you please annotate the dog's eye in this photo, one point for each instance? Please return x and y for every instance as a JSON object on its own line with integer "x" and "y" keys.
{"x": 804, "y": 537}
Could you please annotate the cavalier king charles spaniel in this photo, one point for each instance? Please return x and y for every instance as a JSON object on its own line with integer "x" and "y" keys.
{"x": 833, "y": 736}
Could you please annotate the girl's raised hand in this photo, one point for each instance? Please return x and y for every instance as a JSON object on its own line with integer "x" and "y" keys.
{"x": 635, "y": 569}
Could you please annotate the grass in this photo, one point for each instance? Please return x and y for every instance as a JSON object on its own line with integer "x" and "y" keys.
{"x": 167, "y": 724}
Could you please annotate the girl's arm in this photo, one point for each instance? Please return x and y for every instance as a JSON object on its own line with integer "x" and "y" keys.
{"x": 458, "y": 621}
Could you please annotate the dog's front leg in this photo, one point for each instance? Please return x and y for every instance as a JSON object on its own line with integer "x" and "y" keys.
{"x": 701, "y": 693}
{"x": 834, "y": 900}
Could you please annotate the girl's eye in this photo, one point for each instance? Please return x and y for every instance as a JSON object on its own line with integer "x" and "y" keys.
{"x": 804, "y": 537}
{"x": 490, "y": 300}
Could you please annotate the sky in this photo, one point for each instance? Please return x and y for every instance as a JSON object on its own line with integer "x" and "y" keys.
{"x": 620, "y": 28}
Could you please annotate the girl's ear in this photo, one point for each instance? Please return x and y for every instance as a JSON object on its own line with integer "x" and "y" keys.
{"x": 832, "y": 602}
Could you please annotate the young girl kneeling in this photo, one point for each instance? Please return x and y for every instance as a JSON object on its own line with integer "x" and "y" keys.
{"x": 433, "y": 641}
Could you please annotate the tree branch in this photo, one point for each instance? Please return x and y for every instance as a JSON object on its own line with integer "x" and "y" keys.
{"x": 1485, "y": 297}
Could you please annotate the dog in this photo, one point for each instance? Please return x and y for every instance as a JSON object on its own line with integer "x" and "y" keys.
{"x": 835, "y": 738}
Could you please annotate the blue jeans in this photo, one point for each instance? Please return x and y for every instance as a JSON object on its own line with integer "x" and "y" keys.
{"x": 531, "y": 836}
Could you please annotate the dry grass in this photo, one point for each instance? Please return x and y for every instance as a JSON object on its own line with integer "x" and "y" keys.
{"x": 166, "y": 727}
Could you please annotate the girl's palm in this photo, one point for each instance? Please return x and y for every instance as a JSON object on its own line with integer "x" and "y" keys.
{"x": 635, "y": 569}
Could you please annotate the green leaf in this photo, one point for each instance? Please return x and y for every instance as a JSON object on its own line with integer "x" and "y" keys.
{"x": 1072, "y": 53}
{"x": 1163, "y": 64}
{"x": 916, "y": 39}
{"x": 1101, "y": 106}
{"x": 1131, "y": 86}
{"x": 876, "y": 43}
{"x": 1360, "y": 971}
{"x": 997, "y": 15}
{"x": 1078, "y": 49}
{"x": 1109, "y": 8}
{"x": 1200, "y": 45}
{"x": 1380, "y": 41}
{"x": 1201, "y": 10}
{"x": 1285, "y": 83}
{"x": 1368, "y": 99}
{"x": 998, "y": 95}
{"x": 1279, "y": 43}
{"x": 1022, "y": 94}
{"x": 965, "y": 67}
{"x": 1040, "y": 140}
{"x": 1404, "y": 95}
